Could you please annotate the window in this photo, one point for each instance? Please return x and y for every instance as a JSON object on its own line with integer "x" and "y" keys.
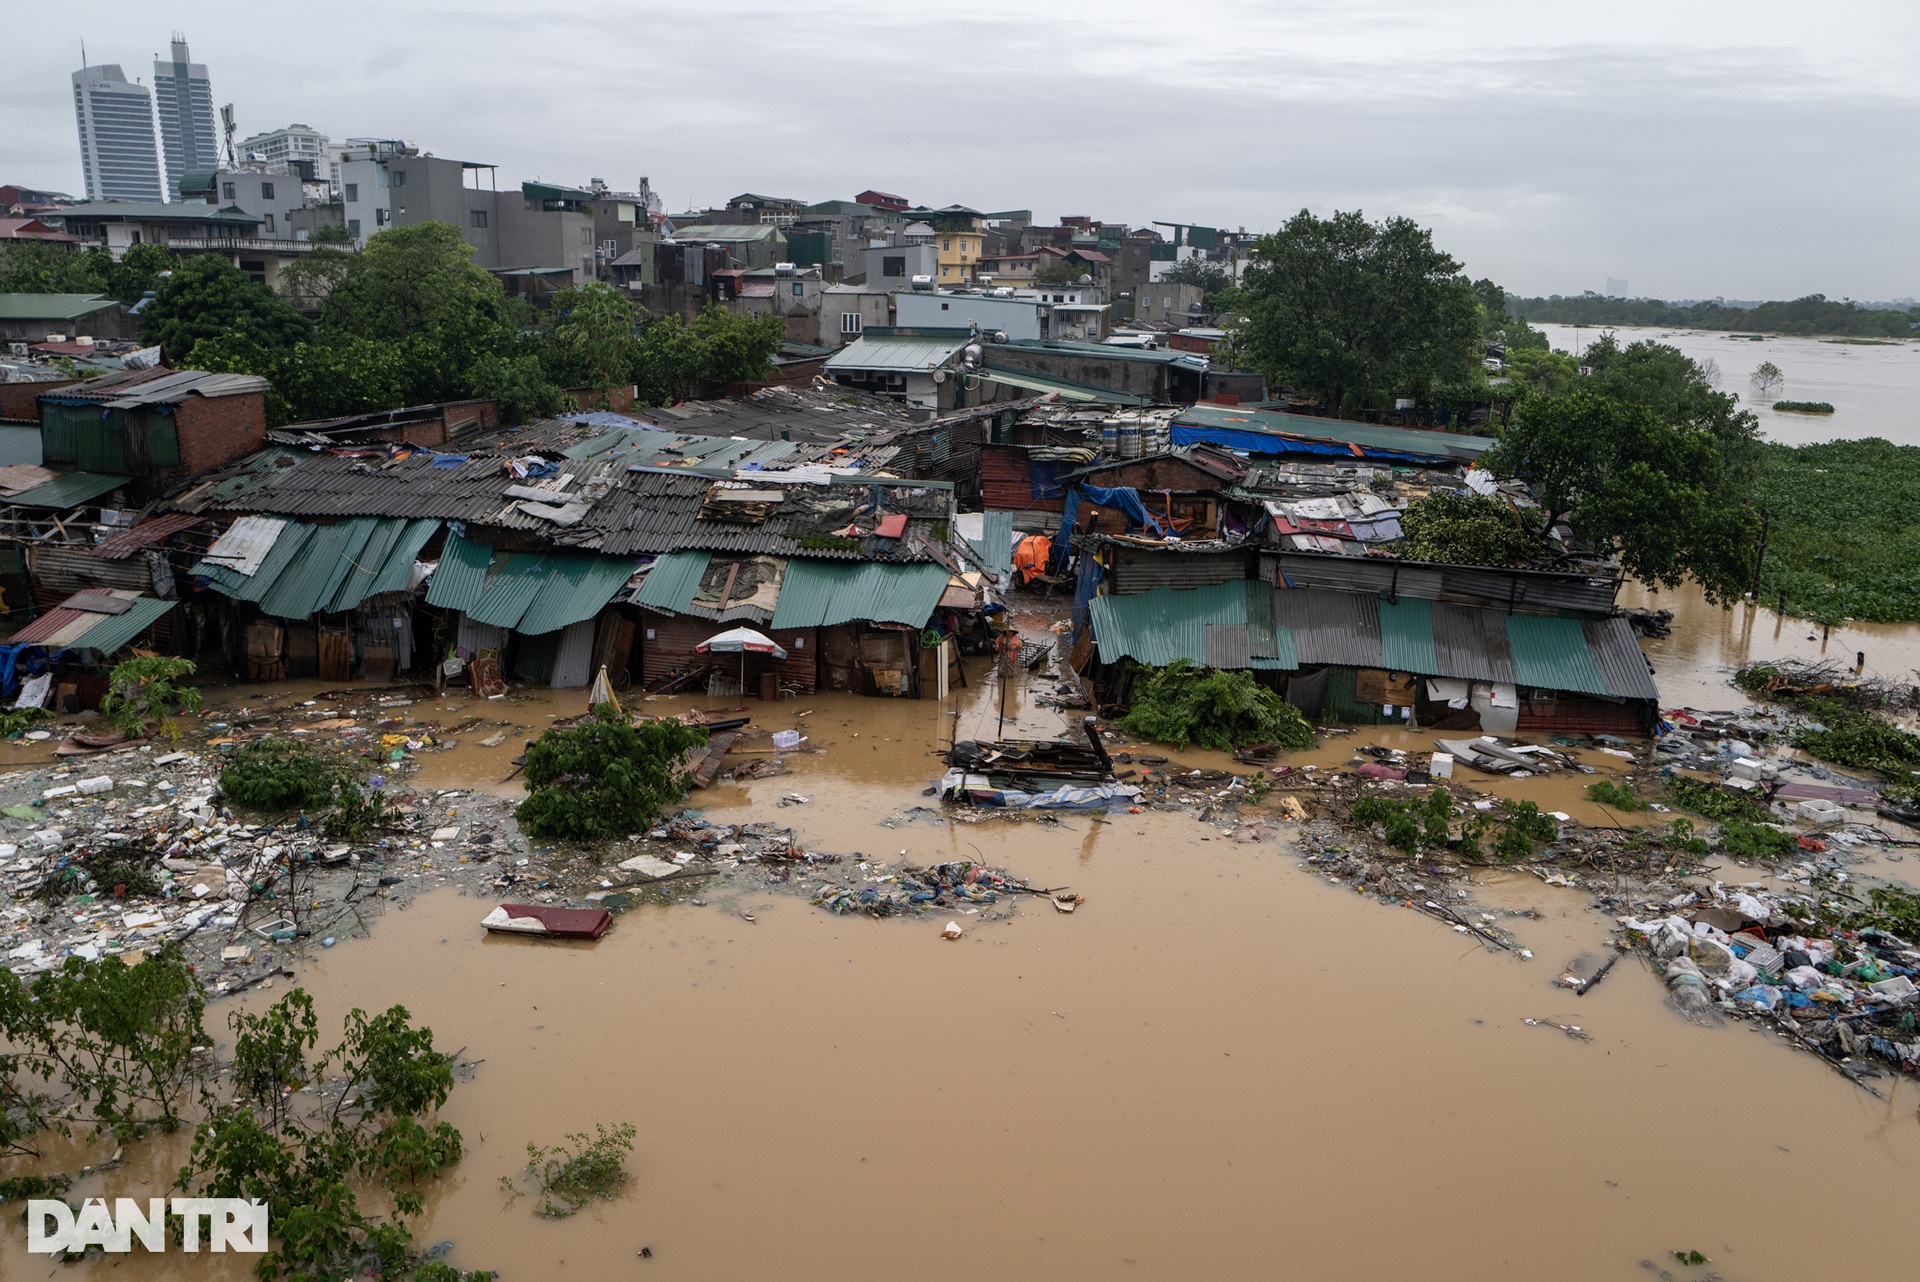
{"x": 946, "y": 306}
{"x": 946, "y": 271}
{"x": 379, "y": 218}
{"x": 266, "y": 191}
{"x": 226, "y": 191}
{"x": 850, "y": 322}
{"x": 269, "y": 222}
{"x": 946, "y": 246}
{"x": 399, "y": 177}
{"x": 353, "y": 228}
{"x": 477, "y": 217}
{"x": 893, "y": 265}
{"x": 353, "y": 193}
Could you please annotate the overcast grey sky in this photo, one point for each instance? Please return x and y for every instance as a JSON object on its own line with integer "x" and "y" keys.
{"x": 1764, "y": 148}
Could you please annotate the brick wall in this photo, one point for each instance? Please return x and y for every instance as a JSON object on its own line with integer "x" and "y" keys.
{"x": 18, "y": 400}
{"x": 615, "y": 400}
{"x": 219, "y": 429}
{"x": 667, "y": 644}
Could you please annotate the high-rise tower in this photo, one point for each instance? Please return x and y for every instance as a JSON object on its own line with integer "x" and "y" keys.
{"x": 184, "y": 99}
{"x": 116, "y": 136}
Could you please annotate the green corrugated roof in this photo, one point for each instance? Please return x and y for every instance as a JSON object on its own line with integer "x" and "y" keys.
{"x": 315, "y": 569}
{"x": 995, "y": 548}
{"x": 117, "y": 630}
{"x": 385, "y": 564}
{"x": 461, "y": 575}
{"x": 1406, "y": 636}
{"x": 820, "y": 594}
{"x": 673, "y": 580}
{"x": 20, "y": 444}
{"x": 527, "y": 592}
{"x": 32, "y": 307}
{"x": 1158, "y": 627}
{"x": 69, "y": 490}
{"x": 895, "y": 354}
{"x": 1552, "y": 654}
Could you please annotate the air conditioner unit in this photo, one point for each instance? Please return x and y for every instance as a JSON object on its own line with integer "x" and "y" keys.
{"x": 17, "y": 349}
{"x": 102, "y": 344}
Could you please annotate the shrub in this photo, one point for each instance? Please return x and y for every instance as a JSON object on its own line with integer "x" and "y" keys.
{"x": 1710, "y": 801}
{"x": 1803, "y": 407}
{"x": 1467, "y": 529}
{"x": 142, "y": 692}
{"x": 591, "y": 1170}
{"x": 1752, "y": 840}
{"x": 1182, "y": 704}
{"x": 1618, "y": 796}
{"x": 604, "y": 777}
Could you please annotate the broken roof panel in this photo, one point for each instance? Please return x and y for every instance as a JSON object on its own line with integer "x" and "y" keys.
{"x": 530, "y": 593}
{"x": 70, "y": 490}
{"x": 144, "y": 535}
{"x": 821, "y": 594}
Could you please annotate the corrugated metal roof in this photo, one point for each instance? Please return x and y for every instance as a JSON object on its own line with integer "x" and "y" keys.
{"x": 19, "y": 444}
{"x": 1471, "y": 643}
{"x": 994, "y": 546}
{"x": 1410, "y": 440}
{"x": 385, "y": 563}
{"x": 160, "y": 387}
{"x": 530, "y": 593}
{"x": 311, "y": 578}
{"x": 896, "y": 355}
{"x": 1623, "y": 665}
{"x": 56, "y": 627}
{"x": 116, "y": 630}
{"x": 820, "y": 594}
{"x": 1157, "y": 627}
{"x": 71, "y": 490}
{"x": 120, "y": 546}
{"x": 672, "y": 581}
{"x": 32, "y": 307}
{"x": 1406, "y": 636}
{"x": 1227, "y": 646}
{"x": 461, "y": 576}
{"x": 62, "y": 567}
{"x": 1331, "y": 627}
{"x": 1552, "y": 654}
{"x": 1067, "y": 388}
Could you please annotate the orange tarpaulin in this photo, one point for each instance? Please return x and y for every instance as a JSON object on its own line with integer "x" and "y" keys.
{"x": 1030, "y": 556}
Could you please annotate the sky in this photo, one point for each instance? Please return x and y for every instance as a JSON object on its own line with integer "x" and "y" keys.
{"x": 1693, "y": 148}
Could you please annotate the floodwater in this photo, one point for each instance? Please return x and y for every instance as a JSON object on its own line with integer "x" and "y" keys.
{"x": 1874, "y": 389}
{"x": 1220, "y": 1067}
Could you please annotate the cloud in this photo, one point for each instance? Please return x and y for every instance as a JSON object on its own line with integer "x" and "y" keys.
{"x": 1757, "y": 149}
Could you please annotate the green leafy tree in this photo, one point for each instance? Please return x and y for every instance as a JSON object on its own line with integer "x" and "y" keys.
{"x": 331, "y": 234}
{"x": 418, "y": 285}
{"x": 605, "y": 777}
{"x": 143, "y": 694}
{"x": 1655, "y": 494}
{"x": 313, "y": 380}
{"x": 1058, "y": 271}
{"x": 1353, "y": 310}
{"x": 207, "y": 296}
{"x": 1467, "y": 529}
{"x": 672, "y": 359}
{"x": 1182, "y": 703}
{"x": 1671, "y": 384}
{"x": 141, "y": 268}
{"x": 590, "y": 337}
{"x": 520, "y": 384}
{"x": 32, "y": 267}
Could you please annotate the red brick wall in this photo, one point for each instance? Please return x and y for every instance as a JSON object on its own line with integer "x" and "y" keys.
{"x": 667, "y": 642}
{"x": 216, "y": 430}
{"x": 463, "y": 416}
{"x": 427, "y": 435}
{"x": 17, "y": 400}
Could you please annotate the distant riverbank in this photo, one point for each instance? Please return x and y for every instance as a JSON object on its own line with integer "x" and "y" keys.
{"x": 1874, "y": 388}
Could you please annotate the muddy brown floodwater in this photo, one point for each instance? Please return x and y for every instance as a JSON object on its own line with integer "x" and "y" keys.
{"x": 1220, "y": 1067}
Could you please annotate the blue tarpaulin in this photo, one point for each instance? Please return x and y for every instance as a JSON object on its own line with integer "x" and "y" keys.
{"x": 1273, "y": 443}
{"x": 1120, "y": 497}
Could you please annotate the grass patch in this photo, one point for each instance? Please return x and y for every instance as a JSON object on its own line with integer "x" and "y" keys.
{"x": 1834, "y": 554}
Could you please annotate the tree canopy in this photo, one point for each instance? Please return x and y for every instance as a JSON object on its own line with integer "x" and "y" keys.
{"x": 1654, "y": 493}
{"x": 31, "y": 267}
{"x": 1353, "y": 310}
{"x": 207, "y": 297}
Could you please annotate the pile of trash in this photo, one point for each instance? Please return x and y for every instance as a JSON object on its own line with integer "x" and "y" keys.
{"x": 1846, "y": 994}
{"x": 937, "y": 887}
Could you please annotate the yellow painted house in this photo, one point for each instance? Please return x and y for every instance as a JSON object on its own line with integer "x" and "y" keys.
{"x": 959, "y": 256}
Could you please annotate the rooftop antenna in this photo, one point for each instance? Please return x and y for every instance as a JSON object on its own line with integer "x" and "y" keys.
{"x": 226, "y": 121}
{"x": 83, "y": 55}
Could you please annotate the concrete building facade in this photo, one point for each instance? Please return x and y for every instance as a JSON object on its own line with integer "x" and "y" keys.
{"x": 183, "y": 100}
{"x": 117, "y": 151}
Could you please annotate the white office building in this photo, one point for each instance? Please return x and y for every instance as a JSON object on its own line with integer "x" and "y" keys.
{"x": 117, "y": 152}
{"x": 183, "y": 99}
{"x": 281, "y": 150}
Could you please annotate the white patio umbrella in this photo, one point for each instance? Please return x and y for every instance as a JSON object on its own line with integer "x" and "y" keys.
{"x": 741, "y": 641}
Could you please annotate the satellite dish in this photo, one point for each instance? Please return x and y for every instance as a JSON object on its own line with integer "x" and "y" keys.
{"x": 939, "y": 376}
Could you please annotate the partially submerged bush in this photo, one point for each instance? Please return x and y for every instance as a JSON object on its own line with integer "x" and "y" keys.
{"x": 604, "y": 777}
{"x": 1181, "y": 704}
{"x": 1752, "y": 840}
{"x": 279, "y": 774}
{"x": 1468, "y": 529}
{"x": 1616, "y": 795}
{"x": 141, "y": 693}
{"x": 568, "y": 1176}
{"x": 1711, "y": 801}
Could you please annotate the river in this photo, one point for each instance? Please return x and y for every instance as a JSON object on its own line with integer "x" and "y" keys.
{"x": 1874, "y": 389}
{"x": 1219, "y": 1067}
